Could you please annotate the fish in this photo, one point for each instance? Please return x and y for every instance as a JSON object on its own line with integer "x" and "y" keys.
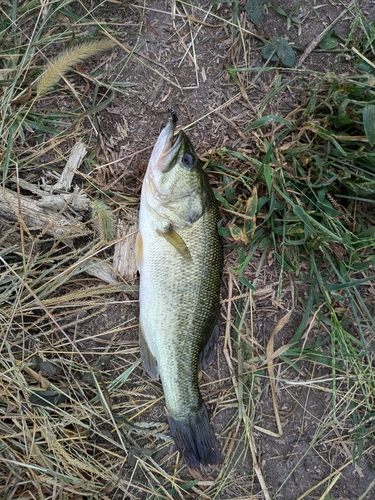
{"x": 179, "y": 257}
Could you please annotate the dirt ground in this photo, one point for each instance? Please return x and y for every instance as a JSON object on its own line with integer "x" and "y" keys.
{"x": 168, "y": 70}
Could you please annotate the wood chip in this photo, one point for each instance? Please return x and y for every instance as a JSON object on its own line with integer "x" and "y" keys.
{"x": 124, "y": 254}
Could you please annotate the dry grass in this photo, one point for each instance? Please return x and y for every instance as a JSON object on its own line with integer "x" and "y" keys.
{"x": 78, "y": 416}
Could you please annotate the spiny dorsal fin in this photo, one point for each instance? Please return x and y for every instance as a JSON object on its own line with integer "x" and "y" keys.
{"x": 176, "y": 241}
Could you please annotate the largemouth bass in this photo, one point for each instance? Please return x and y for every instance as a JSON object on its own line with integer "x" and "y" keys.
{"x": 179, "y": 257}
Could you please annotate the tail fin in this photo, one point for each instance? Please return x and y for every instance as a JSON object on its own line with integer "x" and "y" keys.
{"x": 195, "y": 438}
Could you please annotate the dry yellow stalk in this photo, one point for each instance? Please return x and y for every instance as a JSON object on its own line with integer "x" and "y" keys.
{"x": 62, "y": 64}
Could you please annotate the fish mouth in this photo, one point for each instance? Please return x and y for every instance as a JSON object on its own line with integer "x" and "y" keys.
{"x": 166, "y": 147}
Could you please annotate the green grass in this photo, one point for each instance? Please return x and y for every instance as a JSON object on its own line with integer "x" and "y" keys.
{"x": 309, "y": 196}
{"x": 77, "y": 416}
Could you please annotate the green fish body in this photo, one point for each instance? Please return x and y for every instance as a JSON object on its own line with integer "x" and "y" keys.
{"x": 179, "y": 256}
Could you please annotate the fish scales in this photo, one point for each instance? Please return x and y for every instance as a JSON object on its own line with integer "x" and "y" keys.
{"x": 179, "y": 254}
{"x": 179, "y": 316}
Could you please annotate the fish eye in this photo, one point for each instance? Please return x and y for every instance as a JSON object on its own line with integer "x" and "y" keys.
{"x": 189, "y": 160}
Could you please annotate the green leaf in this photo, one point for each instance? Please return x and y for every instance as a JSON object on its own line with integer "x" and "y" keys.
{"x": 282, "y": 12}
{"x": 48, "y": 398}
{"x": 266, "y": 120}
{"x": 341, "y": 286}
{"x": 329, "y": 42}
{"x": 364, "y": 66}
{"x": 186, "y": 487}
{"x": 229, "y": 189}
{"x": 319, "y": 131}
{"x": 313, "y": 224}
{"x": 251, "y": 211}
{"x": 46, "y": 366}
{"x": 255, "y": 10}
{"x": 279, "y": 10}
{"x": 268, "y": 176}
{"x": 285, "y": 53}
{"x": 222, "y": 200}
{"x": 236, "y": 232}
{"x": 369, "y": 123}
{"x": 50, "y": 368}
{"x": 281, "y": 50}
{"x": 269, "y": 52}
{"x": 224, "y": 232}
{"x": 247, "y": 283}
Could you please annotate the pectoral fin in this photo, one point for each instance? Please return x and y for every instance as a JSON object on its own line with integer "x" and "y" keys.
{"x": 176, "y": 241}
{"x": 148, "y": 359}
{"x": 139, "y": 251}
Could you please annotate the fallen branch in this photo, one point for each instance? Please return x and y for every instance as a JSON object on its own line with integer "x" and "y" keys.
{"x": 29, "y": 213}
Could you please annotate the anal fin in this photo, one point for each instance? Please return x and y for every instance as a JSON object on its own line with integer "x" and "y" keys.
{"x": 207, "y": 353}
{"x": 148, "y": 359}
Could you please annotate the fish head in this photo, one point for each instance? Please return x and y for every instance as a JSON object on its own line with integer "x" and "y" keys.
{"x": 175, "y": 185}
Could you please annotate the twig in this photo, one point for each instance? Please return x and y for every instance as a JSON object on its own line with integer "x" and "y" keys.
{"x": 75, "y": 159}
{"x": 318, "y": 38}
{"x": 270, "y": 366}
{"x": 27, "y": 212}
